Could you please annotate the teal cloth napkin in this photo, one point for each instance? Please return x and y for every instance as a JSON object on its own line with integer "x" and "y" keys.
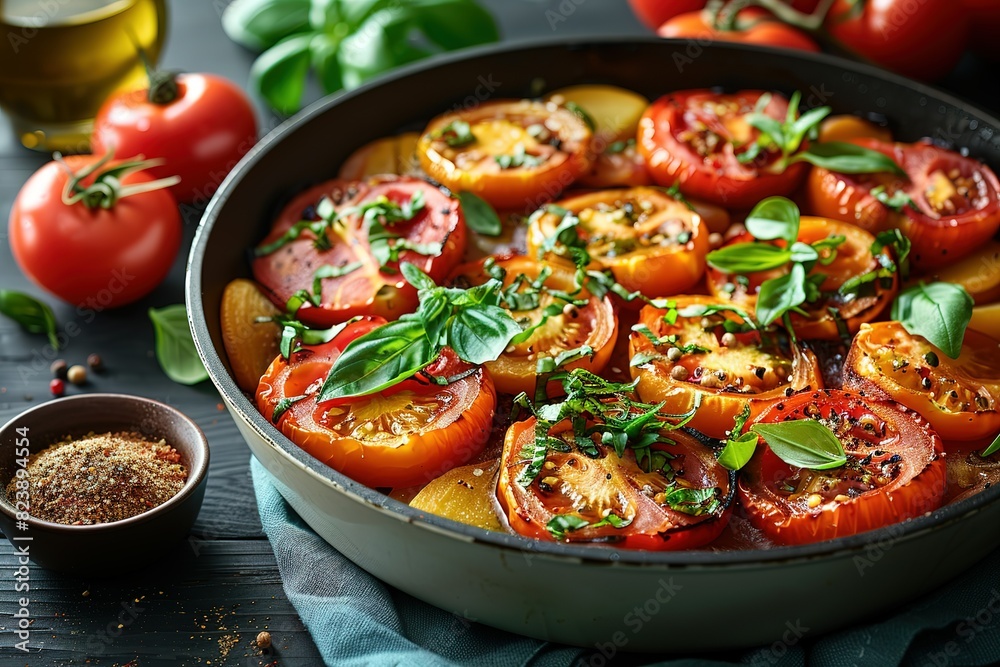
{"x": 356, "y": 620}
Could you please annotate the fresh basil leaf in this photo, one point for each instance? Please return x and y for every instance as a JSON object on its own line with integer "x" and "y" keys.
{"x": 324, "y": 53}
{"x": 416, "y": 277}
{"x": 561, "y": 524}
{"x": 481, "y": 333}
{"x": 738, "y": 451}
{"x": 279, "y": 73}
{"x": 848, "y": 158}
{"x": 519, "y": 158}
{"x": 803, "y": 253}
{"x": 641, "y": 358}
{"x": 330, "y": 271}
{"x": 779, "y": 295}
{"x": 744, "y": 258}
{"x": 940, "y": 312}
{"x": 260, "y": 24}
{"x": 380, "y": 43}
{"x": 546, "y": 365}
{"x": 803, "y": 443}
{"x": 479, "y": 215}
{"x": 616, "y": 147}
{"x": 695, "y": 502}
{"x": 994, "y": 447}
{"x": 175, "y": 348}
{"x": 901, "y": 249}
{"x": 582, "y": 114}
{"x": 379, "y": 359}
{"x": 455, "y": 24}
{"x": 456, "y": 134}
{"x": 774, "y": 218}
{"x": 34, "y": 316}
{"x": 612, "y": 520}
{"x": 283, "y": 405}
{"x": 897, "y": 201}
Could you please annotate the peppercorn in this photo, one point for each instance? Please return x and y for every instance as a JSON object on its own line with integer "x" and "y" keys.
{"x": 58, "y": 368}
{"x": 57, "y": 387}
{"x": 264, "y": 640}
{"x": 95, "y": 362}
{"x": 77, "y": 374}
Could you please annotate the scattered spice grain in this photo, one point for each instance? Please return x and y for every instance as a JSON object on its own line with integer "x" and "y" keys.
{"x": 77, "y": 375}
{"x": 101, "y": 478}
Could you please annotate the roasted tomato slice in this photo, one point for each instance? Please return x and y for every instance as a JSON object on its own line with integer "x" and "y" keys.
{"x": 537, "y": 287}
{"x": 717, "y": 356}
{"x": 651, "y": 500}
{"x": 959, "y": 397}
{"x": 694, "y": 138}
{"x": 433, "y": 239}
{"x": 853, "y": 259}
{"x": 895, "y": 470}
{"x": 947, "y": 205}
{"x": 404, "y": 436}
{"x": 848, "y": 197}
{"x": 513, "y": 154}
{"x": 651, "y": 242}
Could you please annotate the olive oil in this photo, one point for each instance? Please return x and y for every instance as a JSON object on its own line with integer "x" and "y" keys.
{"x": 60, "y": 59}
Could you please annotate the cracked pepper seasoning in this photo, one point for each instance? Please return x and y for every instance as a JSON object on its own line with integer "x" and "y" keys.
{"x": 102, "y": 478}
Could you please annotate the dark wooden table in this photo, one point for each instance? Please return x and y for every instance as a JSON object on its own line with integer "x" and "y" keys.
{"x": 205, "y": 602}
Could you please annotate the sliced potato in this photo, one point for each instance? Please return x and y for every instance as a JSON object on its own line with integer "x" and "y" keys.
{"x": 388, "y": 155}
{"x": 986, "y": 319}
{"x": 847, "y": 127}
{"x": 251, "y": 346}
{"x": 463, "y": 494}
{"x": 978, "y": 273}
{"x": 616, "y": 111}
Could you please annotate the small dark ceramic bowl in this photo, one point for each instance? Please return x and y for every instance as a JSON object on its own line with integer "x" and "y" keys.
{"x": 106, "y": 548}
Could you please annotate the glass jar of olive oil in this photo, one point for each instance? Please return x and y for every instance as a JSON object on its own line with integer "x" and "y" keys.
{"x": 60, "y": 59}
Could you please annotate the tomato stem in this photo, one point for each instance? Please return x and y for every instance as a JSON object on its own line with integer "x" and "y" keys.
{"x": 163, "y": 87}
{"x": 107, "y": 187}
{"x": 725, "y": 13}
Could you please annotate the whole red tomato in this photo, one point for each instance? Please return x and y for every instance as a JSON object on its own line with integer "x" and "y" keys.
{"x": 752, "y": 26}
{"x": 200, "y": 125}
{"x": 655, "y": 12}
{"x": 95, "y": 248}
{"x": 922, "y": 39}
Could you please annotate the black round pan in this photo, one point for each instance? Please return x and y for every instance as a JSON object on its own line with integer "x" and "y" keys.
{"x": 584, "y": 595}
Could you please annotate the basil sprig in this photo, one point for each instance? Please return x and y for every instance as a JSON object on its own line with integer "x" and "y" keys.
{"x": 803, "y": 443}
{"x": 774, "y": 219}
{"x": 470, "y": 321}
{"x": 788, "y": 136}
{"x": 865, "y": 283}
{"x": 33, "y": 315}
{"x": 346, "y": 43}
{"x": 739, "y": 447}
{"x": 940, "y": 312}
{"x": 561, "y": 524}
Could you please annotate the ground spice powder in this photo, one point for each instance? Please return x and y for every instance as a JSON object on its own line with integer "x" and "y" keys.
{"x": 102, "y": 478}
